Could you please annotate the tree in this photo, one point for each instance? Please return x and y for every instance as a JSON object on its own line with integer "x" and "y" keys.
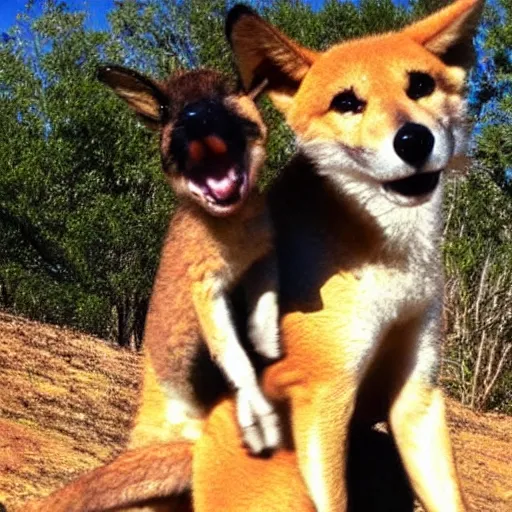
{"x": 479, "y": 238}
{"x": 82, "y": 199}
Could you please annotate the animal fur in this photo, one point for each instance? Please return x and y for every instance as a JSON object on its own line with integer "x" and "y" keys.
{"x": 359, "y": 246}
{"x": 212, "y": 245}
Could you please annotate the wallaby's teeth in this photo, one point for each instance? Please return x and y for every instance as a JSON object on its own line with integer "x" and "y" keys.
{"x": 232, "y": 174}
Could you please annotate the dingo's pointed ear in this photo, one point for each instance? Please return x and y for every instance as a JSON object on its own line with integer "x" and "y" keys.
{"x": 142, "y": 94}
{"x": 264, "y": 54}
{"x": 449, "y": 32}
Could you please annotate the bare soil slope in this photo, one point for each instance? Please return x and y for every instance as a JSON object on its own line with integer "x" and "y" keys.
{"x": 66, "y": 401}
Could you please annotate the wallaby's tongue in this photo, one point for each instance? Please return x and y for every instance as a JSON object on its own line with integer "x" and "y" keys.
{"x": 223, "y": 186}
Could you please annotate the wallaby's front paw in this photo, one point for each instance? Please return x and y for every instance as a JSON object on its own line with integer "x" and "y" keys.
{"x": 266, "y": 342}
{"x": 271, "y": 352}
{"x": 263, "y": 327}
{"x": 261, "y": 429}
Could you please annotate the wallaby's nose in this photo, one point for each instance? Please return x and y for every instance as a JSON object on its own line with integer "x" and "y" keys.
{"x": 202, "y": 117}
{"x": 413, "y": 144}
{"x": 206, "y": 127}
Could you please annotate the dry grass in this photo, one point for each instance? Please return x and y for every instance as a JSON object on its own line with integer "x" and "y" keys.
{"x": 483, "y": 447}
{"x": 67, "y": 400}
{"x": 65, "y": 405}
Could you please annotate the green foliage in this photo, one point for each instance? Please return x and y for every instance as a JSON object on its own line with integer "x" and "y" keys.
{"x": 82, "y": 199}
{"x": 478, "y": 244}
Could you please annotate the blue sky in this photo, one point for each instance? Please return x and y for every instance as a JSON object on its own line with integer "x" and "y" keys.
{"x": 97, "y": 10}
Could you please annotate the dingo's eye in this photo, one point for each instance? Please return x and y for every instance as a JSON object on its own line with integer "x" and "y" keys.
{"x": 420, "y": 85}
{"x": 347, "y": 101}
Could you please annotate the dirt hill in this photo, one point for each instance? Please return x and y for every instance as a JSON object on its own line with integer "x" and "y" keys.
{"x": 66, "y": 402}
{"x": 65, "y": 405}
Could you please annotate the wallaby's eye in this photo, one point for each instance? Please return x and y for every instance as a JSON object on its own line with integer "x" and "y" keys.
{"x": 164, "y": 113}
{"x": 347, "y": 101}
{"x": 420, "y": 85}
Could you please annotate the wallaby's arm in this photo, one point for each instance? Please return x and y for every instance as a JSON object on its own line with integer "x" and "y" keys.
{"x": 262, "y": 295}
{"x": 256, "y": 416}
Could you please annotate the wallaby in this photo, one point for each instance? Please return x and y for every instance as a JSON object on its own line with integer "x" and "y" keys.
{"x": 212, "y": 146}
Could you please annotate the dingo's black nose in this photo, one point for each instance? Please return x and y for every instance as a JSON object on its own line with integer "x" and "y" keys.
{"x": 413, "y": 144}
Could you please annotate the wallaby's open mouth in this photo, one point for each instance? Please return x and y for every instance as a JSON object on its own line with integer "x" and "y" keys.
{"x": 217, "y": 176}
{"x": 414, "y": 187}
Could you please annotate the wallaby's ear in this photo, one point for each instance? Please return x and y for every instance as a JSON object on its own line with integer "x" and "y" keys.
{"x": 449, "y": 33}
{"x": 264, "y": 54}
{"x": 142, "y": 94}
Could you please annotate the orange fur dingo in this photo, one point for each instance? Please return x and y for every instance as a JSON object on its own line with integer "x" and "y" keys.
{"x": 377, "y": 121}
